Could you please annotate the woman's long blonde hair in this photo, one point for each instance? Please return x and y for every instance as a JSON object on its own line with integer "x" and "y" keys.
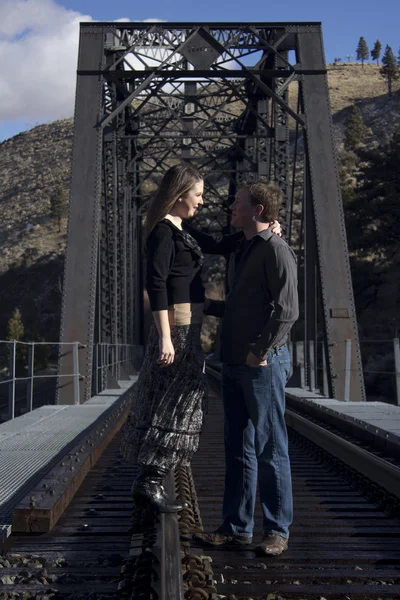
{"x": 176, "y": 182}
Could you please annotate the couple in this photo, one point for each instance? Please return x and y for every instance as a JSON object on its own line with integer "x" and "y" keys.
{"x": 163, "y": 427}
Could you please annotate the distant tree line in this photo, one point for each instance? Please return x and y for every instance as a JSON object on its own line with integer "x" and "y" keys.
{"x": 390, "y": 69}
{"x": 370, "y": 182}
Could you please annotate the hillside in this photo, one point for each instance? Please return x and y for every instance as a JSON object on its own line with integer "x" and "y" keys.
{"x": 34, "y": 163}
{"x": 350, "y": 82}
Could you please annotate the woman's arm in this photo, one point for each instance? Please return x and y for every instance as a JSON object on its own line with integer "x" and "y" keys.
{"x": 167, "y": 351}
{"x": 160, "y": 257}
{"x": 214, "y": 308}
{"x": 215, "y": 244}
{"x": 221, "y": 244}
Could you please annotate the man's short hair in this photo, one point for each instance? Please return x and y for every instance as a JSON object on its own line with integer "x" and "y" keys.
{"x": 268, "y": 195}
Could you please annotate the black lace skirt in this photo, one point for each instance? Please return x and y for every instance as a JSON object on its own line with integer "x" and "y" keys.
{"x": 167, "y": 409}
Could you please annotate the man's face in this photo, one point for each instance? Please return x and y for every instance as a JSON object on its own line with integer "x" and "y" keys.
{"x": 243, "y": 212}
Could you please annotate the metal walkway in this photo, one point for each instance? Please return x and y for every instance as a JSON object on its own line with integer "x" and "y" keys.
{"x": 32, "y": 444}
{"x": 379, "y": 418}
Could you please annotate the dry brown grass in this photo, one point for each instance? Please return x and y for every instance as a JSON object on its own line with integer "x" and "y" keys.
{"x": 349, "y": 83}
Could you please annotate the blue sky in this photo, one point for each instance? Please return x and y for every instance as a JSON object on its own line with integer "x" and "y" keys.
{"x": 38, "y": 40}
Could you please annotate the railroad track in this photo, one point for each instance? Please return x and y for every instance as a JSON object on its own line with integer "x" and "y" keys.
{"x": 102, "y": 548}
{"x": 83, "y": 555}
{"x": 342, "y": 545}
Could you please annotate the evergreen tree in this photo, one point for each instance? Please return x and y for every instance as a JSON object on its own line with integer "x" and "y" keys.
{"x": 376, "y": 51}
{"x": 16, "y": 332}
{"x": 346, "y": 186}
{"x": 362, "y": 51}
{"x": 58, "y": 205}
{"x": 390, "y": 69}
{"x": 377, "y": 206}
{"x": 354, "y": 128}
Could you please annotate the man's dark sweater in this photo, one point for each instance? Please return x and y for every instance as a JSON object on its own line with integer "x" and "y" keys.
{"x": 262, "y": 304}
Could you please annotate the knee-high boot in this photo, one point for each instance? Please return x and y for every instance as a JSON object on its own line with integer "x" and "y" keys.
{"x": 148, "y": 488}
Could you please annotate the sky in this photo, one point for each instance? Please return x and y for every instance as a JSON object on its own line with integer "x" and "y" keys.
{"x": 39, "y": 40}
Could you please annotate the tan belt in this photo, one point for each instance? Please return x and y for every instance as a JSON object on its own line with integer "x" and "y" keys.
{"x": 185, "y": 314}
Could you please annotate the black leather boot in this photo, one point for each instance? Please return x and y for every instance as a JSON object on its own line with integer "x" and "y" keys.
{"x": 148, "y": 489}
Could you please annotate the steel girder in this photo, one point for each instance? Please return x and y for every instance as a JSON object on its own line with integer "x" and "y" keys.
{"x": 327, "y": 231}
{"x": 217, "y": 95}
{"x": 80, "y": 274}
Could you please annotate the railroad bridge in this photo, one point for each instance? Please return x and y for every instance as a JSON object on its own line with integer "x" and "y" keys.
{"x": 240, "y": 102}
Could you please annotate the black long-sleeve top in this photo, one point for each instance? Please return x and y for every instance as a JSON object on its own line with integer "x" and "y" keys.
{"x": 174, "y": 262}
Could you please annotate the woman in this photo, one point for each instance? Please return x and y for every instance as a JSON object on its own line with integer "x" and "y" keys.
{"x": 163, "y": 427}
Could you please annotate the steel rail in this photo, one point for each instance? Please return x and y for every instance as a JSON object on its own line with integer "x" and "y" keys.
{"x": 95, "y": 528}
{"x": 374, "y": 468}
{"x": 343, "y": 541}
{"x": 377, "y": 469}
{"x": 171, "y": 571}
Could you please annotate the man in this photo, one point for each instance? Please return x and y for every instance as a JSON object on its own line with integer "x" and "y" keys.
{"x": 258, "y": 313}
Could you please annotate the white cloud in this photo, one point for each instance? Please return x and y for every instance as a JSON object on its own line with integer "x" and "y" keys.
{"x": 39, "y": 48}
{"x": 150, "y": 21}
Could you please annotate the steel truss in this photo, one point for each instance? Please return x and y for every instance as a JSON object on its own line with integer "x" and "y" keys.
{"x": 234, "y": 100}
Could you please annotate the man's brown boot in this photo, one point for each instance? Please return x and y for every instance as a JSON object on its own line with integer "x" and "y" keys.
{"x": 272, "y": 545}
{"x": 217, "y": 538}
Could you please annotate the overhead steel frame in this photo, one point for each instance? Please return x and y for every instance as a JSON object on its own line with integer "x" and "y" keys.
{"x": 217, "y": 95}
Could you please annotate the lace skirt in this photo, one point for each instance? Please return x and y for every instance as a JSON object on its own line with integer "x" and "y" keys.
{"x": 166, "y": 414}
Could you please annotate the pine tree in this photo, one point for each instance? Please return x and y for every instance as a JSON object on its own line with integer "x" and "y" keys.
{"x": 346, "y": 186}
{"x": 376, "y": 51}
{"x": 354, "y": 128}
{"x": 362, "y": 51}
{"x": 377, "y": 206}
{"x": 16, "y": 332}
{"x": 390, "y": 69}
{"x": 58, "y": 205}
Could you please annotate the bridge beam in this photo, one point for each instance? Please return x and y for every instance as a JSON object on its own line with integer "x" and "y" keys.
{"x": 80, "y": 273}
{"x": 334, "y": 265}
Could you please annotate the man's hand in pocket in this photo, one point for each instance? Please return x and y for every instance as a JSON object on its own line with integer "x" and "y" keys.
{"x": 255, "y": 361}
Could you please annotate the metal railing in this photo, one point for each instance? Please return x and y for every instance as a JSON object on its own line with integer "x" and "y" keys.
{"x": 111, "y": 359}
{"x": 317, "y": 377}
{"x": 108, "y": 358}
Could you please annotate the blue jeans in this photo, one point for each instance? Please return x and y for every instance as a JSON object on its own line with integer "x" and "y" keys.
{"x": 256, "y": 446}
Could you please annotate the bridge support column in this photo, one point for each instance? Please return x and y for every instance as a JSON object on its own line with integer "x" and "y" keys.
{"x": 79, "y": 287}
{"x": 334, "y": 267}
